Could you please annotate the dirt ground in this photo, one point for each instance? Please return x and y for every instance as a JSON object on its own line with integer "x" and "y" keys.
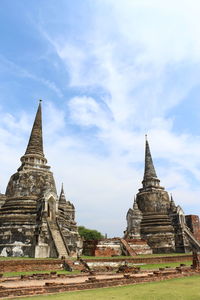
{"x": 16, "y": 282}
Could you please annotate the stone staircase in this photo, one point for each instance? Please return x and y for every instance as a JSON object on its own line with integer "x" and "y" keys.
{"x": 195, "y": 244}
{"x": 126, "y": 247}
{"x": 58, "y": 240}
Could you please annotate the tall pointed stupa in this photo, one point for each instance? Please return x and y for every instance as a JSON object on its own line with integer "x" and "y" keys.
{"x": 160, "y": 223}
{"x": 29, "y": 218}
{"x": 154, "y": 204}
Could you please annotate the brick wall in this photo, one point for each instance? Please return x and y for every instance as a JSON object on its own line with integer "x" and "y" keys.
{"x": 105, "y": 247}
{"x": 89, "y": 248}
{"x": 56, "y": 264}
{"x": 193, "y": 223}
{"x": 146, "y": 260}
{"x": 22, "y": 265}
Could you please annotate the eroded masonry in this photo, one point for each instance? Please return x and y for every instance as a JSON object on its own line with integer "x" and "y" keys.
{"x": 34, "y": 220}
{"x": 156, "y": 218}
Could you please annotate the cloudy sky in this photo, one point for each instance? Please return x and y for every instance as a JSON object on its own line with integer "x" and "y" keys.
{"x": 108, "y": 71}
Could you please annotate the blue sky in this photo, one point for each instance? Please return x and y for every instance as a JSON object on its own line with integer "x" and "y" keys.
{"x": 108, "y": 72}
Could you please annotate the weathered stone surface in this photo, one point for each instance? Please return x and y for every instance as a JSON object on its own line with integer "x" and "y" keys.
{"x": 66, "y": 220}
{"x": 156, "y": 218}
{"x": 35, "y": 144}
{"x": 2, "y": 199}
{"x": 30, "y": 218}
{"x": 139, "y": 246}
{"x": 134, "y": 218}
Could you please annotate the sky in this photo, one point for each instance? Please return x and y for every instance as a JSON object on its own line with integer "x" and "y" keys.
{"x": 108, "y": 73}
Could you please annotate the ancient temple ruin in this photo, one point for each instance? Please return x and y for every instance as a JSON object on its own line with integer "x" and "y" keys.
{"x": 156, "y": 219}
{"x": 34, "y": 221}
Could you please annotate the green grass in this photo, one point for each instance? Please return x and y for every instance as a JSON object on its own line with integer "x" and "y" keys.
{"x": 99, "y": 257}
{"x": 176, "y": 289}
{"x": 12, "y": 274}
{"x": 163, "y": 265}
{"x": 18, "y": 258}
{"x": 163, "y": 254}
{"x": 136, "y": 256}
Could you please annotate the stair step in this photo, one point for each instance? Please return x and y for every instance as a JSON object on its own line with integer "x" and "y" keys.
{"x": 62, "y": 251}
{"x": 130, "y": 251}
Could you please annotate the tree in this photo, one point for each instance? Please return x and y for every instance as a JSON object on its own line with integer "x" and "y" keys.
{"x": 89, "y": 234}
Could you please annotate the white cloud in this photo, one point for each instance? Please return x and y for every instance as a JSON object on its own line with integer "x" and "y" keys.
{"x": 86, "y": 111}
{"x": 165, "y": 31}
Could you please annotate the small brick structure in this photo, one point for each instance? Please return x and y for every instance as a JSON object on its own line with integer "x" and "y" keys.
{"x": 89, "y": 247}
{"x": 105, "y": 247}
{"x": 196, "y": 261}
{"x": 193, "y": 222}
{"x": 108, "y": 247}
{"x": 115, "y": 247}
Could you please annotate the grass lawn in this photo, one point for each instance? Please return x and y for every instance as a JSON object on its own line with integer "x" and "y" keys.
{"x": 173, "y": 289}
{"x": 10, "y": 274}
{"x": 163, "y": 265}
{"x": 136, "y": 256}
{"x": 21, "y": 258}
{"x": 100, "y": 257}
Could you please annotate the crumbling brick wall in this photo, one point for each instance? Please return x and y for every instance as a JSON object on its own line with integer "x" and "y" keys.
{"x": 89, "y": 247}
{"x": 105, "y": 247}
{"x": 193, "y": 223}
{"x": 23, "y": 265}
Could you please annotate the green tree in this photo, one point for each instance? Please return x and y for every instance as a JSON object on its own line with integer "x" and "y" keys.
{"x": 89, "y": 234}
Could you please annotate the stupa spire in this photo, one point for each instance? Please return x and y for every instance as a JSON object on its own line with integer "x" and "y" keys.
{"x": 149, "y": 170}
{"x": 35, "y": 144}
{"x": 135, "y": 206}
{"x": 62, "y": 189}
{"x": 150, "y": 178}
{"x": 172, "y": 203}
{"x": 62, "y": 198}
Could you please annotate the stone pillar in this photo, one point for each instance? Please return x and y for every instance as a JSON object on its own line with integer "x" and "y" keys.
{"x": 196, "y": 260}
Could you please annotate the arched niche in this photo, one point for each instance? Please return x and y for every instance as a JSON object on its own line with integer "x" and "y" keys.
{"x": 181, "y": 215}
{"x": 51, "y": 208}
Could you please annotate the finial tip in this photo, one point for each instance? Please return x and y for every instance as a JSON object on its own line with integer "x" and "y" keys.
{"x": 62, "y": 188}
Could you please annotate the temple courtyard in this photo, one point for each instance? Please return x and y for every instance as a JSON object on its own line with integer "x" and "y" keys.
{"x": 141, "y": 277}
